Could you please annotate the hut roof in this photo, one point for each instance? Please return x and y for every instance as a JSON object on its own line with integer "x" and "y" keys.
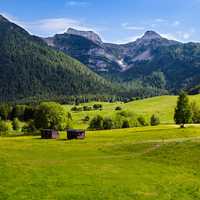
{"x": 75, "y": 130}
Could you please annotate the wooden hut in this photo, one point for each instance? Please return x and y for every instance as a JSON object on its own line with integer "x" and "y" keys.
{"x": 49, "y": 134}
{"x": 75, "y": 134}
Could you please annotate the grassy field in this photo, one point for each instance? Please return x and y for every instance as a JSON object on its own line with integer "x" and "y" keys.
{"x": 148, "y": 163}
{"x": 163, "y": 106}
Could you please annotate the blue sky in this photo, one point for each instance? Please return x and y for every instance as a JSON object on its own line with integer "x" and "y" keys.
{"x": 117, "y": 21}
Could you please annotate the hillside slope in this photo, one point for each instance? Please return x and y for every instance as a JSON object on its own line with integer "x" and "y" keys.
{"x": 162, "y": 106}
{"x": 29, "y": 68}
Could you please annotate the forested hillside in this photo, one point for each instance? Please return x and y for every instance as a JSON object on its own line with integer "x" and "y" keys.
{"x": 29, "y": 68}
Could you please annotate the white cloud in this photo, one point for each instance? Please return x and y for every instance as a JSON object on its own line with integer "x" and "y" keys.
{"x": 54, "y": 25}
{"x": 49, "y": 26}
{"x": 77, "y": 4}
{"x": 179, "y": 35}
{"x": 186, "y": 36}
{"x": 169, "y": 36}
{"x": 159, "y": 20}
{"x": 176, "y": 23}
{"x": 133, "y": 28}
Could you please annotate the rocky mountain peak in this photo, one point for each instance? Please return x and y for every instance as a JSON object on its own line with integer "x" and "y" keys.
{"x": 87, "y": 34}
{"x": 151, "y": 35}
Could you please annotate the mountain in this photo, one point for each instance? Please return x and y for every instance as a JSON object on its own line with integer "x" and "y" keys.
{"x": 90, "y": 35}
{"x": 151, "y": 60}
{"x": 30, "y": 68}
{"x": 88, "y": 48}
{"x": 38, "y": 68}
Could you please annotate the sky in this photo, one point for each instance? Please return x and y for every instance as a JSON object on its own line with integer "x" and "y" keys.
{"x": 116, "y": 21}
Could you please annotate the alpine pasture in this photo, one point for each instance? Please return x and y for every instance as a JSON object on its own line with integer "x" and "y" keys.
{"x": 143, "y": 163}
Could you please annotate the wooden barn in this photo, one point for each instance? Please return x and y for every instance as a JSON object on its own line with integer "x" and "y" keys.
{"x": 75, "y": 134}
{"x": 49, "y": 134}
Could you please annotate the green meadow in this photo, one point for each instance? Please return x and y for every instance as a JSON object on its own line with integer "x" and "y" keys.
{"x": 148, "y": 163}
{"x": 163, "y": 106}
{"x": 143, "y": 163}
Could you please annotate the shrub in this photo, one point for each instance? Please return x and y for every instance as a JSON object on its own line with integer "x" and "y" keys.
{"x": 77, "y": 109}
{"x": 86, "y": 119}
{"x": 16, "y": 124}
{"x": 87, "y": 108}
{"x": 118, "y": 121}
{"x": 96, "y": 123}
{"x": 29, "y": 127}
{"x": 108, "y": 123}
{"x": 69, "y": 116}
{"x": 125, "y": 113}
{"x": 142, "y": 121}
{"x": 118, "y": 108}
{"x": 74, "y": 109}
{"x": 5, "y": 126}
{"x": 97, "y": 107}
{"x": 126, "y": 124}
{"x": 155, "y": 120}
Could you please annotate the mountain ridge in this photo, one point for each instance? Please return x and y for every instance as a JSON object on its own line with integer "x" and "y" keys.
{"x": 31, "y": 66}
{"x": 134, "y": 61}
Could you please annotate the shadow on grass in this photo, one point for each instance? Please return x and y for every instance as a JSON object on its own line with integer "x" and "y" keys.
{"x": 59, "y": 139}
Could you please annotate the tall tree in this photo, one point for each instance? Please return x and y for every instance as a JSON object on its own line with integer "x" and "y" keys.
{"x": 51, "y": 115}
{"x": 183, "y": 113}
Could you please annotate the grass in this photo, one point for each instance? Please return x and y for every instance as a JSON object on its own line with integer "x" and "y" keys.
{"x": 147, "y": 163}
{"x": 163, "y": 106}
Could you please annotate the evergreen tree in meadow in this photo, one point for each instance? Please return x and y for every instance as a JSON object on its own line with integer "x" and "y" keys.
{"x": 155, "y": 121}
{"x": 183, "y": 113}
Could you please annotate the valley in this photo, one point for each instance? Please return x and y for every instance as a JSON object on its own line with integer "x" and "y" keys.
{"x": 99, "y": 100}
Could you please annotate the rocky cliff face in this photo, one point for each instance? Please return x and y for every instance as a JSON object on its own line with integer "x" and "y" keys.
{"x": 90, "y": 35}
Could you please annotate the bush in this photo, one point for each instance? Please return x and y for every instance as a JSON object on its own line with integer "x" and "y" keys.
{"x": 142, "y": 121}
{"x": 155, "y": 121}
{"x": 87, "y": 108}
{"x": 16, "y": 124}
{"x": 29, "y": 127}
{"x": 126, "y": 124}
{"x": 86, "y": 119}
{"x": 69, "y": 116}
{"x": 5, "y": 126}
{"x": 97, "y": 123}
{"x": 125, "y": 114}
{"x": 118, "y": 108}
{"x": 108, "y": 123}
{"x": 97, "y": 107}
{"x": 118, "y": 121}
{"x": 77, "y": 109}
